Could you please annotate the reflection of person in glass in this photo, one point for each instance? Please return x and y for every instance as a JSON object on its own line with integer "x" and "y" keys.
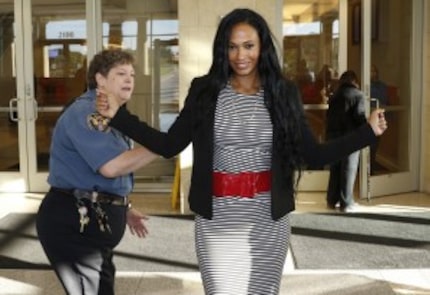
{"x": 81, "y": 76}
{"x": 84, "y": 214}
{"x": 304, "y": 75}
{"x": 325, "y": 82}
{"x": 249, "y": 136}
{"x": 305, "y": 80}
{"x": 346, "y": 113}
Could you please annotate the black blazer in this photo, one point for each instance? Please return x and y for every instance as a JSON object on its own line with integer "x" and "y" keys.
{"x": 187, "y": 129}
{"x": 346, "y": 111}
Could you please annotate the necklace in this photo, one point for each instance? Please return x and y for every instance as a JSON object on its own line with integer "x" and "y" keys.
{"x": 238, "y": 109}
{"x": 240, "y": 88}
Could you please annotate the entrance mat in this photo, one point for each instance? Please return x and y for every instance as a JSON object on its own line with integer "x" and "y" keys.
{"x": 168, "y": 247}
{"x": 361, "y": 240}
{"x": 334, "y": 284}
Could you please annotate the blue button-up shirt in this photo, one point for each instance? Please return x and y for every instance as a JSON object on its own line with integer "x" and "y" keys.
{"x": 80, "y": 146}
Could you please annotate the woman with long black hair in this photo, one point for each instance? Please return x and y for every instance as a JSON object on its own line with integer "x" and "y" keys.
{"x": 249, "y": 135}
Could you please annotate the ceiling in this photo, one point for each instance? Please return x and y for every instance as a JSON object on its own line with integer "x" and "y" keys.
{"x": 293, "y": 10}
{"x": 307, "y": 10}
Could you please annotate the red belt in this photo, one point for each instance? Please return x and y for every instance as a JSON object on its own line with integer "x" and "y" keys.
{"x": 243, "y": 184}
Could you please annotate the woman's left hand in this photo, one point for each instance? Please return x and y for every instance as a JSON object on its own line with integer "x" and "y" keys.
{"x": 106, "y": 103}
{"x": 135, "y": 223}
{"x": 377, "y": 122}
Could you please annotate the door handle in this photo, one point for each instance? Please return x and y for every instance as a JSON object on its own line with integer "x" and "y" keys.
{"x": 35, "y": 109}
{"x": 376, "y": 102}
{"x": 13, "y": 109}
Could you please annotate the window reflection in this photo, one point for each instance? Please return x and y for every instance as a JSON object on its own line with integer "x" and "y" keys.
{"x": 153, "y": 39}
{"x": 60, "y": 60}
{"x": 311, "y": 33}
{"x": 311, "y": 40}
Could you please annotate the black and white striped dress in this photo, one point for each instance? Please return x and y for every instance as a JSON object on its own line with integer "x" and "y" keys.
{"x": 242, "y": 250}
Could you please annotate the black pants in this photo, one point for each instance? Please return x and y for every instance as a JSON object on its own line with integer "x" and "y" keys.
{"x": 82, "y": 261}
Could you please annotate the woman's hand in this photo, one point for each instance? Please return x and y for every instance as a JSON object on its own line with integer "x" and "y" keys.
{"x": 377, "y": 121}
{"x": 135, "y": 223}
{"x": 106, "y": 103}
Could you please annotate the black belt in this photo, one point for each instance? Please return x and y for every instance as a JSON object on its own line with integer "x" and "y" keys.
{"x": 94, "y": 196}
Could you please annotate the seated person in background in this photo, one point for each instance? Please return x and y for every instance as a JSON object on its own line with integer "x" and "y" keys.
{"x": 304, "y": 75}
{"x": 326, "y": 82}
{"x": 305, "y": 80}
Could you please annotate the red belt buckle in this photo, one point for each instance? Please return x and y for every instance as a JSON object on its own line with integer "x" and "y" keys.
{"x": 243, "y": 184}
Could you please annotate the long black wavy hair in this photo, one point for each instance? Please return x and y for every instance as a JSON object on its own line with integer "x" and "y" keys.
{"x": 280, "y": 95}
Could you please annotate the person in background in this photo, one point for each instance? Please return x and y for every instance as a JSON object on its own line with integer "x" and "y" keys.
{"x": 80, "y": 78}
{"x": 304, "y": 75}
{"x": 84, "y": 214}
{"x": 326, "y": 82}
{"x": 305, "y": 80}
{"x": 346, "y": 113}
{"x": 378, "y": 88}
{"x": 249, "y": 134}
{"x": 378, "y": 91}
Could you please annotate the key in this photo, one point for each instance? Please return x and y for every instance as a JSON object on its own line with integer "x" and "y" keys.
{"x": 83, "y": 221}
{"x": 99, "y": 215}
{"x": 102, "y": 218}
{"x": 101, "y": 225}
{"x": 83, "y": 218}
{"x": 107, "y": 226}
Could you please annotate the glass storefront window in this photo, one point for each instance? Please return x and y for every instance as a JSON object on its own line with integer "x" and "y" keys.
{"x": 152, "y": 36}
{"x": 310, "y": 42}
{"x": 311, "y": 47}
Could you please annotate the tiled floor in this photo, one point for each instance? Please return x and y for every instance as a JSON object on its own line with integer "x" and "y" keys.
{"x": 404, "y": 281}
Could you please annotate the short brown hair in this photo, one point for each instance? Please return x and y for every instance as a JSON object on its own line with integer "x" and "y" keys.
{"x": 104, "y": 61}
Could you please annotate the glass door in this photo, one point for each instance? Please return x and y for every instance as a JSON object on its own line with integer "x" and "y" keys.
{"x": 312, "y": 39}
{"x": 43, "y": 50}
{"x": 382, "y": 34}
{"x": 58, "y": 53}
{"x": 374, "y": 38}
{"x": 11, "y": 105}
{"x": 151, "y": 33}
